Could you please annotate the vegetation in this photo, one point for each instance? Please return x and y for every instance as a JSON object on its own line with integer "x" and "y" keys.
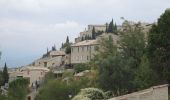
{"x": 112, "y": 28}
{"x": 81, "y": 67}
{"x": 159, "y": 48}
{"x": 67, "y": 46}
{"x": 90, "y": 94}
{"x": 61, "y": 88}
{"x": 21, "y": 86}
{"x": 5, "y": 75}
{"x": 125, "y": 68}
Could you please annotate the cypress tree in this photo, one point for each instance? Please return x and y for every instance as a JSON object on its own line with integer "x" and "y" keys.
{"x": 106, "y": 28}
{"x": 115, "y": 29}
{"x": 93, "y": 33}
{"x": 67, "y": 40}
{"x": 110, "y": 28}
{"x": 5, "y": 74}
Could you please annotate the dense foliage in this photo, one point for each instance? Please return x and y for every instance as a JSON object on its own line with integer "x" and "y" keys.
{"x": 18, "y": 89}
{"x": 159, "y": 47}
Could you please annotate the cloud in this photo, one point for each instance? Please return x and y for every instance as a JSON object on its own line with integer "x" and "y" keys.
{"x": 27, "y": 27}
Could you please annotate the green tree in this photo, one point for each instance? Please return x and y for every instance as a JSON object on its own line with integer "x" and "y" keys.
{"x": 159, "y": 48}
{"x": 132, "y": 45}
{"x": 145, "y": 76}
{"x": 18, "y": 89}
{"x": 1, "y": 79}
{"x": 115, "y": 31}
{"x": 106, "y": 28}
{"x": 5, "y": 74}
{"x": 113, "y": 73}
{"x": 68, "y": 49}
{"x": 111, "y": 26}
{"x": 67, "y": 40}
{"x": 93, "y": 33}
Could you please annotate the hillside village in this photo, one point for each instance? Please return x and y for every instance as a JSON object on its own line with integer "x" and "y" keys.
{"x": 62, "y": 61}
{"x": 82, "y": 51}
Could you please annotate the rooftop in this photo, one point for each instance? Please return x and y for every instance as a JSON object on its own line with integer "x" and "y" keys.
{"x": 85, "y": 43}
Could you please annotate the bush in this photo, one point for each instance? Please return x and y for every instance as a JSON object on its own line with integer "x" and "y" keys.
{"x": 80, "y": 67}
{"x": 90, "y": 94}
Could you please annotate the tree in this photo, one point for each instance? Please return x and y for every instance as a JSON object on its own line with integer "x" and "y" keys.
{"x": 113, "y": 73}
{"x": 145, "y": 76}
{"x": 111, "y": 26}
{"x": 68, "y": 49}
{"x": 5, "y": 75}
{"x": 67, "y": 40}
{"x": 132, "y": 43}
{"x": 54, "y": 48}
{"x": 159, "y": 47}
{"x": 18, "y": 89}
{"x": 106, "y": 28}
{"x": 1, "y": 79}
{"x": 115, "y": 29}
{"x": 93, "y": 33}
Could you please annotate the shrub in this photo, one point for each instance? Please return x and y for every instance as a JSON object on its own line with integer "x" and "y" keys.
{"x": 90, "y": 94}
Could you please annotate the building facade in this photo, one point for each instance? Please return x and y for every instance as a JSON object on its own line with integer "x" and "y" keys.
{"x": 83, "y": 52}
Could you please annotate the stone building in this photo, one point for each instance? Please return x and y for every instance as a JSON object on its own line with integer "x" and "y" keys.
{"x": 88, "y": 32}
{"x": 32, "y": 73}
{"x": 52, "y": 59}
{"x": 83, "y": 52}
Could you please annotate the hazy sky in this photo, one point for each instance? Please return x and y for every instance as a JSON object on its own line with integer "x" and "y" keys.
{"x": 28, "y": 27}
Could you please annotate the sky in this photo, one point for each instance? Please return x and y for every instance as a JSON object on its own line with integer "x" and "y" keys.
{"x": 29, "y": 27}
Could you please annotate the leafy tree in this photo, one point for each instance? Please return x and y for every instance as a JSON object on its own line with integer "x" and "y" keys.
{"x": 18, "y": 89}
{"x": 145, "y": 76}
{"x": 132, "y": 45}
{"x": 159, "y": 48}
{"x": 5, "y": 74}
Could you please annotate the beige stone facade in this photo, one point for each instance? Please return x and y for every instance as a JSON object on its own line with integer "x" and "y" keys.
{"x": 33, "y": 73}
{"x": 88, "y": 32}
{"x": 83, "y": 52}
{"x": 154, "y": 93}
{"x": 53, "y": 59}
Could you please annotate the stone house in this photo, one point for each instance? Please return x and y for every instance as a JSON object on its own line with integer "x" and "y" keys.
{"x": 83, "y": 52}
{"x": 53, "y": 59}
{"x": 32, "y": 73}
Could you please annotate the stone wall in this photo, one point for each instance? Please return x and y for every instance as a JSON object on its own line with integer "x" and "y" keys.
{"x": 154, "y": 93}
